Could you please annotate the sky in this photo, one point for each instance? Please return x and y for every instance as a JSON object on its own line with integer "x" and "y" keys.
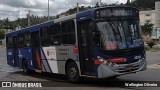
{"x": 14, "y": 9}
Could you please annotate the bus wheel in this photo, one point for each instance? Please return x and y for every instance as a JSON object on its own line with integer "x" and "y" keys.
{"x": 73, "y": 72}
{"x": 25, "y": 67}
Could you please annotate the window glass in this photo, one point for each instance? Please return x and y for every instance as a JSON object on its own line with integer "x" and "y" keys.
{"x": 68, "y": 32}
{"x": 55, "y": 29}
{"x": 21, "y": 40}
{"x": 46, "y": 41}
{"x": 68, "y": 26}
{"x": 44, "y": 31}
{"x": 68, "y": 38}
{"x": 27, "y": 39}
{"x": 63, "y": 33}
{"x": 9, "y": 42}
{"x": 56, "y": 40}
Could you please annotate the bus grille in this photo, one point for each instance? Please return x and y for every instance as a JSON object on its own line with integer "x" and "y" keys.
{"x": 124, "y": 70}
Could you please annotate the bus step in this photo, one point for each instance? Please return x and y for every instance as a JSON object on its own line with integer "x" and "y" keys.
{"x": 38, "y": 71}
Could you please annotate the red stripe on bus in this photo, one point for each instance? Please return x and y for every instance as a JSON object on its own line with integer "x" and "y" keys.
{"x": 38, "y": 60}
{"x": 75, "y": 49}
{"x": 116, "y": 60}
{"x": 97, "y": 62}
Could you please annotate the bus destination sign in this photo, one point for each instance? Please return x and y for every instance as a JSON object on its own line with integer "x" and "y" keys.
{"x": 116, "y": 12}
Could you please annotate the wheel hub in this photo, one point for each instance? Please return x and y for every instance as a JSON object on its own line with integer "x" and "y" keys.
{"x": 72, "y": 72}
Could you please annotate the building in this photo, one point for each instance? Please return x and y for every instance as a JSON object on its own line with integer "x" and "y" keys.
{"x": 147, "y": 16}
{"x": 152, "y": 16}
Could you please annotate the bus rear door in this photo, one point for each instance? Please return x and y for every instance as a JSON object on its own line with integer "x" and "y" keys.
{"x": 15, "y": 51}
{"x": 35, "y": 43}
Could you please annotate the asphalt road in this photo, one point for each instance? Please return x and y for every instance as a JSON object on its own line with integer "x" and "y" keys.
{"x": 8, "y": 73}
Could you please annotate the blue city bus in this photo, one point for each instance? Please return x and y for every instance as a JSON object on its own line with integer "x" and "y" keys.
{"x": 100, "y": 43}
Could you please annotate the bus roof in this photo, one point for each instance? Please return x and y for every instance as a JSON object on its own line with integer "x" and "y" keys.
{"x": 34, "y": 27}
{"x": 87, "y": 14}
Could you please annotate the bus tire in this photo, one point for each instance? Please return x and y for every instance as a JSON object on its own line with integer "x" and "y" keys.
{"x": 25, "y": 67}
{"x": 113, "y": 77}
{"x": 72, "y": 72}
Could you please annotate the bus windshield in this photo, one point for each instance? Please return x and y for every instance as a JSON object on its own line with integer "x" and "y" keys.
{"x": 119, "y": 35}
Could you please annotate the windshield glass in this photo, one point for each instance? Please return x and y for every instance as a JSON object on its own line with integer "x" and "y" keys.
{"x": 119, "y": 35}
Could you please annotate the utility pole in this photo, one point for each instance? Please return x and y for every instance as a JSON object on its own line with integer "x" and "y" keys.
{"x": 28, "y": 17}
{"x": 48, "y": 10}
{"x": 77, "y": 7}
{"x": 100, "y": 3}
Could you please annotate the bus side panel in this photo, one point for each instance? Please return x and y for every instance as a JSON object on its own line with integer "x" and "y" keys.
{"x": 25, "y": 53}
{"x": 54, "y": 58}
{"x": 64, "y": 53}
{"x": 10, "y": 60}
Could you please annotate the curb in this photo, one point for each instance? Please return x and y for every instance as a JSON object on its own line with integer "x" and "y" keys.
{"x": 153, "y": 51}
{"x": 2, "y": 46}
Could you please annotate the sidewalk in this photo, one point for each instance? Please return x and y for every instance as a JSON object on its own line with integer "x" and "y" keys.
{"x": 157, "y": 46}
{"x": 2, "y": 46}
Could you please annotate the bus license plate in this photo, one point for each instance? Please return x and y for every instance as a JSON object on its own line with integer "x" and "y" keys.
{"x": 129, "y": 67}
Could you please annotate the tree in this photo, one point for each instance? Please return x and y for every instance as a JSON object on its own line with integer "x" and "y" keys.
{"x": 143, "y": 4}
{"x": 2, "y": 34}
{"x": 97, "y": 5}
{"x": 147, "y": 28}
{"x": 128, "y": 1}
{"x": 7, "y": 24}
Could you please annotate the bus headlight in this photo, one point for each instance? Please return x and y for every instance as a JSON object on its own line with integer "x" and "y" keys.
{"x": 111, "y": 62}
{"x": 104, "y": 61}
{"x": 100, "y": 59}
{"x": 142, "y": 59}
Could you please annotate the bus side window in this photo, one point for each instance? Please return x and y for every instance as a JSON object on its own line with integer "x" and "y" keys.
{"x": 9, "y": 42}
{"x": 45, "y": 36}
{"x": 68, "y": 35}
{"x": 21, "y": 40}
{"x": 55, "y": 29}
{"x": 55, "y": 34}
{"x": 44, "y": 31}
{"x": 56, "y": 40}
{"x": 27, "y": 39}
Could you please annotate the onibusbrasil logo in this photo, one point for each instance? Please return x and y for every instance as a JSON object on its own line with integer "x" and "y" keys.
{"x": 21, "y": 84}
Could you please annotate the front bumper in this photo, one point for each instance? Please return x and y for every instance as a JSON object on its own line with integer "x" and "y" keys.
{"x": 105, "y": 71}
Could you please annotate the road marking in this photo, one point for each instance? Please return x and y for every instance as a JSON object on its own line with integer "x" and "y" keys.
{"x": 154, "y": 66}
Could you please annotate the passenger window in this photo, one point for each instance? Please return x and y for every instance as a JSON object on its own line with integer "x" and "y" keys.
{"x": 21, "y": 40}
{"x": 55, "y": 29}
{"x": 44, "y": 32}
{"x": 68, "y": 38}
{"x": 68, "y": 35}
{"x": 68, "y": 26}
{"x": 9, "y": 42}
{"x": 27, "y": 39}
{"x": 56, "y": 40}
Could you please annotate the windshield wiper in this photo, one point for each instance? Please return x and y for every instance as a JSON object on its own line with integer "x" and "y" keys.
{"x": 113, "y": 28}
{"x": 116, "y": 32}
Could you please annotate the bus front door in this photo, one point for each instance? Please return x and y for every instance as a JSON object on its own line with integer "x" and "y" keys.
{"x": 35, "y": 43}
{"x": 85, "y": 48}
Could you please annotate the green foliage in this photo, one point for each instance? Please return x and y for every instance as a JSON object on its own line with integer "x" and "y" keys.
{"x": 2, "y": 34}
{"x": 143, "y": 4}
{"x": 151, "y": 44}
{"x": 128, "y": 2}
{"x": 152, "y": 49}
{"x": 147, "y": 28}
